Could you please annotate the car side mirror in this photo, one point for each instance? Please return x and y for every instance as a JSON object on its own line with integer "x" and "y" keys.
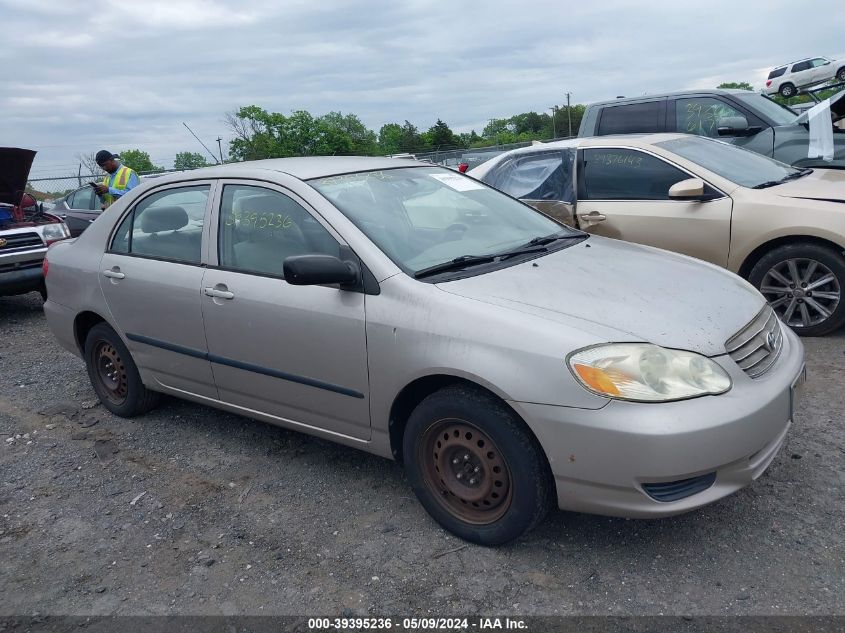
{"x": 691, "y": 188}
{"x": 735, "y": 126}
{"x": 315, "y": 270}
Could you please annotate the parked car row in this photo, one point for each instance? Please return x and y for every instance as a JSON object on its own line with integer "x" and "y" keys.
{"x": 509, "y": 362}
{"x": 779, "y": 227}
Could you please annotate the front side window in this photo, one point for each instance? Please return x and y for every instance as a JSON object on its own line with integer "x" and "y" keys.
{"x": 260, "y": 227}
{"x": 820, "y": 61}
{"x": 425, "y": 216}
{"x": 631, "y": 118}
{"x": 626, "y": 174}
{"x": 166, "y": 225}
{"x": 537, "y": 176}
{"x": 701, "y": 115}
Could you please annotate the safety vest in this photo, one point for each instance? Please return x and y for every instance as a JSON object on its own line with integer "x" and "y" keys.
{"x": 121, "y": 179}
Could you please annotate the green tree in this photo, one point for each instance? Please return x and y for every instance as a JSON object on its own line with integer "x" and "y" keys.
{"x": 138, "y": 160}
{"x": 440, "y": 135}
{"x": 390, "y": 138}
{"x": 736, "y": 85}
{"x": 412, "y": 141}
{"x": 189, "y": 160}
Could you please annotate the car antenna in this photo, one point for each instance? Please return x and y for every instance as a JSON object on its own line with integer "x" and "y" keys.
{"x": 213, "y": 157}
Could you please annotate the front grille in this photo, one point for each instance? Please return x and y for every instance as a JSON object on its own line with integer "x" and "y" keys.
{"x": 681, "y": 489}
{"x": 19, "y": 241}
{"x": 756, "y": 347}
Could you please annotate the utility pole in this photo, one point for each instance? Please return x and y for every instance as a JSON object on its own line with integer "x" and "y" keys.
{"x": 220, "y": 147}
{"x": 213, "y": 157}
{"x": 554, "y": 128}
{"x": 569, "y": 115}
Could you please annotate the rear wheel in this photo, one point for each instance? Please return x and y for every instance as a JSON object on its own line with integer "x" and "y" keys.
{"x": 475, "y": 467}
{"x": 113, "y": 374}
{"x": 803, "y": 283}
{"x": 787, "y": 90}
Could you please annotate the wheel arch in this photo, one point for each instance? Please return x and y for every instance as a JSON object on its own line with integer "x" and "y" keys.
{"x": 417, "y": 390}
{"x": 757, "y": 254}
{"x": 82, "y": 324}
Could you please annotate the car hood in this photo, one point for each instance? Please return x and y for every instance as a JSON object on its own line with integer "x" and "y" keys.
{"x": 643, "y": 293}
{"x": 15, "y": 164}
{"x": 822, "y": 184}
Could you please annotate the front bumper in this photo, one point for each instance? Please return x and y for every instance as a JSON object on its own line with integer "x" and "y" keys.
{"x": 26, "y": 277}
{"x": 601, "y": 458}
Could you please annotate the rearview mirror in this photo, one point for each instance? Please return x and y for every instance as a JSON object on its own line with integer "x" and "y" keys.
{"x": 691, "y": 188}
{"x": 314, "y": 270}
{"x": 735, "y": 126}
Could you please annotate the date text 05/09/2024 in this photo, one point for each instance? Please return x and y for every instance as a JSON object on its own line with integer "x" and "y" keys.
{"x": 418, "y": 624}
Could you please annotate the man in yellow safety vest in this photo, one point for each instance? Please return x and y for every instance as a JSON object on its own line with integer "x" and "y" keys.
{"x": 118, "y": 179}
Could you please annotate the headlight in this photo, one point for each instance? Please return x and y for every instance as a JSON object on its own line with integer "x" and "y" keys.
{"x": 54, "y": 232}
{"x": 646, "y": 373}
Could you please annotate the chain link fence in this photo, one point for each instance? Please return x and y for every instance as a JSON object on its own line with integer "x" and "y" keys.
{"x": 49, "y": 188}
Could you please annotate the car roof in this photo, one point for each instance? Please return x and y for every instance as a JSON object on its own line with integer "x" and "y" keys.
{"x": 798, "y": 61}
{"x": 597, "y": 141}
{"x": 304, "y": 168}
{"x": 676, "y": 93}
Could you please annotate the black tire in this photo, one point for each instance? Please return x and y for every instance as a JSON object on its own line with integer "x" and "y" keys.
{"x": 123, "y": 394}
{"x": 840, "y": 74}
{"x": 828, "y": 264}
{"x": 492, "y": 438}
{"x": 787, "y": 90}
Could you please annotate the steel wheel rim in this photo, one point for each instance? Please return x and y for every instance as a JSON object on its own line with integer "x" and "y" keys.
{"x": 111, "y": 372}
{"x": 802, "y": 291}
{"x": 466, "y": 471}
{"x": 787, "y": 91}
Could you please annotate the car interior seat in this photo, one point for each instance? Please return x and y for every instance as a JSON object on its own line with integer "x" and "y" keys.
{"x": 162, "y": 235}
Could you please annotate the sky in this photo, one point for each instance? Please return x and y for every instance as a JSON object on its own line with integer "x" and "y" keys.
{"x": 77, "y": 76}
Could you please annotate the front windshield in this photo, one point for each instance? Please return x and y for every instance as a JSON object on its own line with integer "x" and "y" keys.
{"x": 425, "y": 216}
{"x": 738, "y": 165}
{"x": 776, "y": 113}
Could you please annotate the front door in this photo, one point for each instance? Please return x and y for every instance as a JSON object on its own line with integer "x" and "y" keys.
{"x": 151, "y": 278}
{"x": 298, "y": 353}
{"x": 623, "y": 194}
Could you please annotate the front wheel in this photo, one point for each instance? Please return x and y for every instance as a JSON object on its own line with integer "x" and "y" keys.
{"x": 475, "y": 467}
{"x": 803, "y": 283}
{"x": 113, "y": 374}
{"x": 841, "y": 74}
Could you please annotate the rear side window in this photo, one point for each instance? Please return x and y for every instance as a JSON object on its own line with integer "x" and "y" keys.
{"x": 166, "y": 225}
{"x": 625, "y": 174}
{"x": 797, "y": 68}
{"x": 543, "y": 176}
{"x": 631, "y": 118}
{"x": 777, "y": 72}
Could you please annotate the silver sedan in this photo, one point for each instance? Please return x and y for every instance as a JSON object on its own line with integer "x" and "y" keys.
{"x": 507, "y": 361}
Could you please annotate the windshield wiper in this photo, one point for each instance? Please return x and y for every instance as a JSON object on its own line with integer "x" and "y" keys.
{"x": 788, "y": 177}
{"x": 453, "y": 264}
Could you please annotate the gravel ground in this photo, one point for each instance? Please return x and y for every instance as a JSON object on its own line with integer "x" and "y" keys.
{"x": 193, "y": 511}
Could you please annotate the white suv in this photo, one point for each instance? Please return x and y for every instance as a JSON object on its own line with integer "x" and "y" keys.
{"x": 787, "y": 79}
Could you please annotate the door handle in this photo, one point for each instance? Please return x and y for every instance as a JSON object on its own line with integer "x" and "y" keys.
{"x": 114, "y": 273}
{"x": 218, "y": 293}
{"x": 593, "y": 216}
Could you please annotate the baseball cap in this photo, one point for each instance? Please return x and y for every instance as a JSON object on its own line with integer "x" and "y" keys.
{"x": 103, "y": 155}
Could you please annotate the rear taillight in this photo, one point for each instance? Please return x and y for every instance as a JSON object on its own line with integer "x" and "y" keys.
{"x": 45, "y": 266}
{"x": 463, "y": 167}
{"x": 768, "y": 83}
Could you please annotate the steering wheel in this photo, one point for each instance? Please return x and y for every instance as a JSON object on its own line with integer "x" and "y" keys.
{"x": 457, "y": 230}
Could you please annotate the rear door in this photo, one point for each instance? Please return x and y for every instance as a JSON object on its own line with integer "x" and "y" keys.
{"x": 623, "y": 194}
{"x": 297, "y": 353}
{"x": 151, "y": 277}
{"x": 802, "y": 73}
{"x": 542, "y": 179}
